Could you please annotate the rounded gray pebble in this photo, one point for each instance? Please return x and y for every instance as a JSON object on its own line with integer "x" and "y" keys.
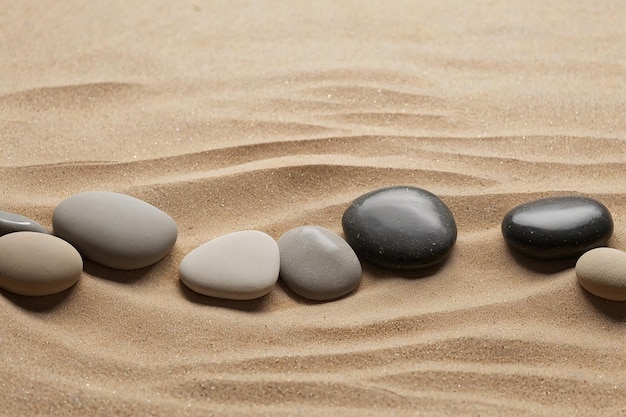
{"x": 115, "y": 230}
{"x": 318, "y": 264}
{"x": 11, "y": 222}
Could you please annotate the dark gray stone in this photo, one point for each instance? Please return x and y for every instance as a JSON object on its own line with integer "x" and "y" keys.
{"x": 400, "y": 227}
{"x": 557, "y": 227}
{"x": 115, "y": 230}
{"x": 318, "y": 264}
{"x": 10, "y": 222}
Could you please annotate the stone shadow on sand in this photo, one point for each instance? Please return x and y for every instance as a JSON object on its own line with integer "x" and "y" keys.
{"x": 256, "y": 305}
{"x": 117, "y": 275}
{"x": 615, "y": 310}
{"x": 542, "y": 266}
{"x": 39, "y": 303}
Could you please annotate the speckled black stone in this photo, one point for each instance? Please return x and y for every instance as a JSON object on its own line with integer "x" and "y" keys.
{"x": 400, "y": 227}
{"x": 557, "y": 227}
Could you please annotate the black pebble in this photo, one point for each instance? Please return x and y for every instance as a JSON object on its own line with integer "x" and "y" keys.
{"x": 557, "y": 227}
{"x": 400, "y": 227}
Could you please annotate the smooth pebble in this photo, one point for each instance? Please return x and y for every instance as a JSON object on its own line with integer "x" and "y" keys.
{"x": 557, "y": 227}
{"x": 239, "y": 266}
{"x": 11, "y": 222}
{"x": 115, "y": 230}
{"x": 318, "y": 264}
{"x": 400, "y": 227}
{"x": 33, "y": 263}
{"x": 602, "y": 272}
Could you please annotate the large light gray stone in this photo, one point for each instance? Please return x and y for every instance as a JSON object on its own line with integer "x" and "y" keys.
{"x": 115, "y": 230}
{"x": 318, "y": 264}
{"x": 33, "y": 263}
{"x": 239, "y": 266}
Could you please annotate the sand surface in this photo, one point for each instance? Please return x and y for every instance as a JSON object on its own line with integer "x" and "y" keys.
{"x": 267, "y": 115}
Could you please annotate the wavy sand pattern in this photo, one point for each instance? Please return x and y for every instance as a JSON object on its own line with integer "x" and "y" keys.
{"x": 270, "y": 115}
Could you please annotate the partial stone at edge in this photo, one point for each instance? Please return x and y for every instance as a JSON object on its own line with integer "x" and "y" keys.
{"x": 11, "y": 222}
{"x": 602, "y": 272}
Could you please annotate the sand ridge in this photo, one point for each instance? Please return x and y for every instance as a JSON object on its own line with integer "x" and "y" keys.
{"x": 262, "y": 115}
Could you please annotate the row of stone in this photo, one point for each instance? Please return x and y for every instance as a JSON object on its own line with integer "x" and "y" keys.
{"x": 122, "y": 232}
{"x": 398, "y": 227}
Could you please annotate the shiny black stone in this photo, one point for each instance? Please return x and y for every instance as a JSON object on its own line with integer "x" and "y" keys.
{"x": 557, "y": 227}
{"x": 400, "y": 227}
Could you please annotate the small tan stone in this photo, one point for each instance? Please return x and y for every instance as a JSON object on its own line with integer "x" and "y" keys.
{"x": 602, "y": 272}
{"x": 34, "y": 263}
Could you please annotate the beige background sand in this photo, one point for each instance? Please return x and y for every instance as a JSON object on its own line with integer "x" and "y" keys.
{"x": 267, "y": 115}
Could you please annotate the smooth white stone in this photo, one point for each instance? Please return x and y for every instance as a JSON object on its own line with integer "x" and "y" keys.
{"x": 238, "y": 266}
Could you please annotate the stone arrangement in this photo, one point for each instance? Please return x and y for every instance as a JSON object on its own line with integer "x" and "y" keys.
{"x": 399, "y": 227}
{"x": 602, "y": 272}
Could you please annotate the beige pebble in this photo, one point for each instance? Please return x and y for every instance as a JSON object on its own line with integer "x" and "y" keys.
{"x": 602, "y": 272}
{"x": 34, "y": 263}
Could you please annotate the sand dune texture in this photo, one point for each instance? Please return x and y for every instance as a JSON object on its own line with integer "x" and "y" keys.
{"x": 267, "y": 115}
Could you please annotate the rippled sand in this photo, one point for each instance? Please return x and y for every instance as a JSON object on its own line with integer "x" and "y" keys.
{"x": 270, "y": 115}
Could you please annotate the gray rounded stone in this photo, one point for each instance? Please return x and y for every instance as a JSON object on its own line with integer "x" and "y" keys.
{"x": 115, "y": 230}
{"x": 35, "y": 263}
{"x": 602, "y": 272}
{"x": 239, "y": 266}
{"x": 318, "y": 264}
{"x": 11, "y": 222}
